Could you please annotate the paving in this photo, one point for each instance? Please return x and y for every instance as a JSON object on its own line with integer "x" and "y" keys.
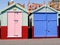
{"x": 46, "y": 41}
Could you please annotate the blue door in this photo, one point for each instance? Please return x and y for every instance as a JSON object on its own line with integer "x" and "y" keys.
{"x": 45, "y": 25}
{"x": 39, "y": 25}
{"x": 39, "y": 28}
{"x": 40, "y": 16}
{"x": 51, "y": 29}
{"x": 51, "y": 16}
{"x": 51, "y": 25}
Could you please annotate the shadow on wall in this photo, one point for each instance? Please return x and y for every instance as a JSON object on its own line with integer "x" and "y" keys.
{"x": 59, "y": 27}
{"x": 30, "y": 29}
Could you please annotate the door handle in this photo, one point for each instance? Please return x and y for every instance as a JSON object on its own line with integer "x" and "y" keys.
{"x": 48, "y": 21}
{"x": 16, "y": 20}
{"x": 15, "y": 35}
{"x": 47, "y": 30}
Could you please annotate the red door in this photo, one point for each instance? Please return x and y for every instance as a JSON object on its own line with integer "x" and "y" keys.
{"x": 14, "y": 24}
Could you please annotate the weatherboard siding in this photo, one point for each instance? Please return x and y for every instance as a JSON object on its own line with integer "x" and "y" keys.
{"x": 0, "y": 16}
{"x": 24, "y": 19}
{"x": 4, "y": 19}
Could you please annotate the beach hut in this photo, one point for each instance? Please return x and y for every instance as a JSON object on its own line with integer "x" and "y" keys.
{"x": 44, "y": 22}
{"x": 14, "y": 22}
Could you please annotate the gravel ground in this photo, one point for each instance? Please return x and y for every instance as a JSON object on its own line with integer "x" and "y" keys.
{"x": 50, "y": 41}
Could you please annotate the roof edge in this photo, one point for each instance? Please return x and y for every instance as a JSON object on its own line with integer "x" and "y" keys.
{"x": 13, "y": 5}
{"x": 43, "y": 7}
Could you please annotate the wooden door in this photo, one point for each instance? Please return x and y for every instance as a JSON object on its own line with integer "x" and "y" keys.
{"x": 40, "y": 29}
{"x": 51, "y": 25}
{"x": 51, "y": 29}
{"x": 45, "y": 25}
{"x": 40, "y": 25}
{"x": 14, "y": 24}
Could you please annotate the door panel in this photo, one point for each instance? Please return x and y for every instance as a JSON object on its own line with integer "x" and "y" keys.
{"x": 51, "y": 28}
{"x": 10, "y": 24}
{"x": 51, "y": 16}
{"x": 39, "y": 28}
{"x": 18, "y": 24}
{"x": 40, "y": 16}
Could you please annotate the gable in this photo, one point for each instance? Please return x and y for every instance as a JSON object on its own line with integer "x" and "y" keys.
{"x": 45, "y": 9}
{"x": 15, "y": 9}
{"x": 12, "y": 7}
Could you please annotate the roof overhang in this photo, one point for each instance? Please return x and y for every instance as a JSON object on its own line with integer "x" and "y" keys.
{"x": 44, "y": 6}
{"x": 13, "y": 5}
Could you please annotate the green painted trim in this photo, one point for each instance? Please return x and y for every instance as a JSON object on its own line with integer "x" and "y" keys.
{"x": 22, "y": 9}
{"x": 52, "y": 9}
{"x": 7, "y": 9}
{"x": 37, "y": 9}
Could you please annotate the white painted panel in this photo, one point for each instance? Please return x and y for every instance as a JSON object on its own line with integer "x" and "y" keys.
{"x": 25, "y": 19}
{"x": 4, "y": 19}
